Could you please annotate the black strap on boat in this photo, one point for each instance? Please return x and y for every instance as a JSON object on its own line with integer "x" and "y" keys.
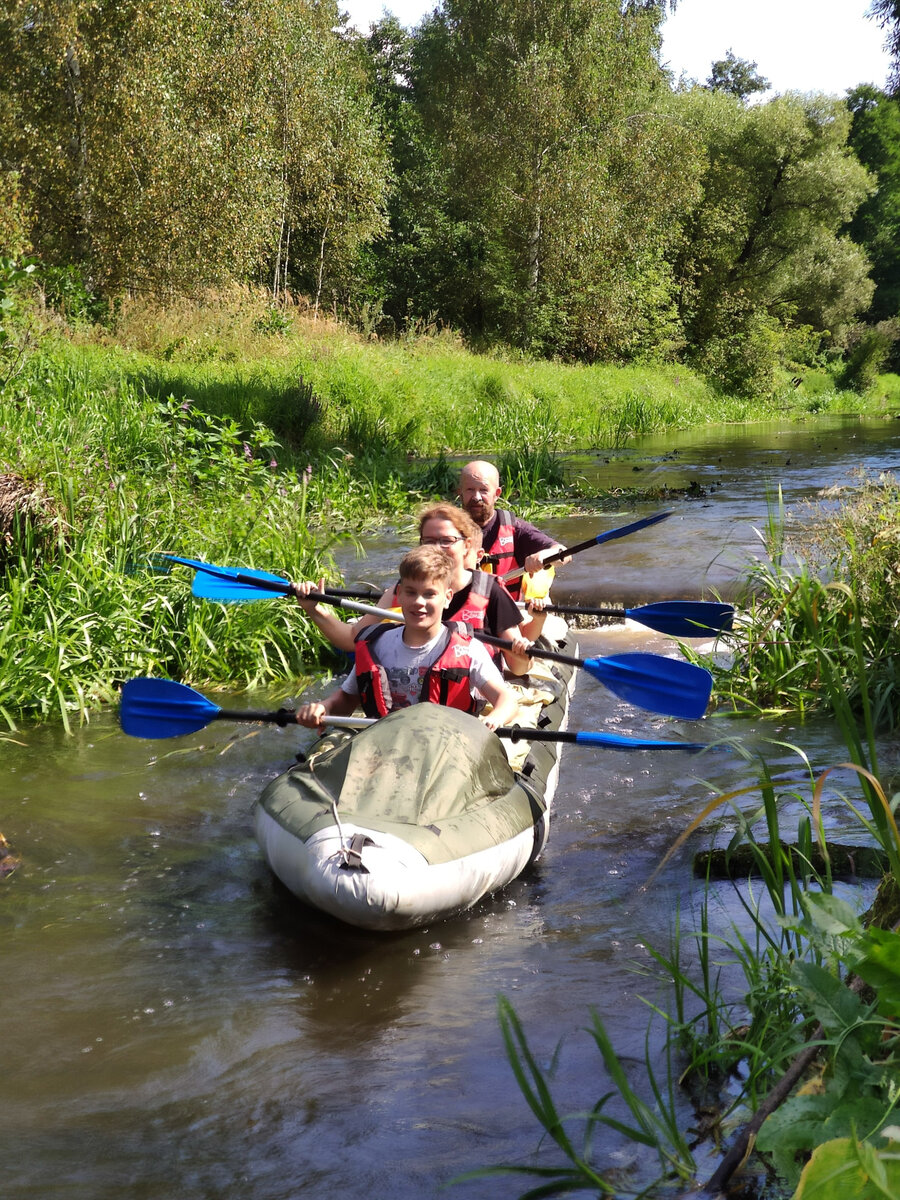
{"x": 353, "y": 853}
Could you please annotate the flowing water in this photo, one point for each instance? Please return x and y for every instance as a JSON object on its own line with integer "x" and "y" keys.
{"x": 732, "y": 471}
{"x": 176, "y": 1026}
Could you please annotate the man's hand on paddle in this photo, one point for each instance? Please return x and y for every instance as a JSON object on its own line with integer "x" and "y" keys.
{"x": 535, "y": 562}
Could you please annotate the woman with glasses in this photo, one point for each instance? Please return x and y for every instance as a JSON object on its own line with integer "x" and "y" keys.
{"x": 479, "y": 599}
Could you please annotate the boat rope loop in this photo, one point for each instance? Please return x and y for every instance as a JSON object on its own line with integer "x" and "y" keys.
{"x": 350, "y": 852}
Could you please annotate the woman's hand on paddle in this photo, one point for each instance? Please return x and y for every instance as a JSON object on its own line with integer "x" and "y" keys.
{"x": 301, "y": 590}
{"x": 312, "y": 715}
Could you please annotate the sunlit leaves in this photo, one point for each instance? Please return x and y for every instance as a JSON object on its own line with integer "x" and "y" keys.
{"x": 564, "y": 206}
{"x": 764, "y": 240}
{"x": 166, "y": 146}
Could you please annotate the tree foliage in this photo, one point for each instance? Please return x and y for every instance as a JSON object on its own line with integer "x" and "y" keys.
{"x": 765, "y": 247}
{"x": 170, "y": 145}
{"x": 522, "y": 171}
{"x": 736, "y": 76}
{"x": 887, "y": 14}
{"x": 875, "y": 137}
{"x": 561, "y": 184}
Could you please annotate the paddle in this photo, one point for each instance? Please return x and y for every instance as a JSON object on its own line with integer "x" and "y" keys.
{"x": 609, "y": 536}
{"x": 663, "y": 685}
{"x": 675, "y": 618}
{"x": 162, "y": 708}
{"x": 253, "y": 581}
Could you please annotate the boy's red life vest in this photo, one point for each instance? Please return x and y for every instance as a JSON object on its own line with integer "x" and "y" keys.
{"x": 446, "y": 680}
{"x": 503, "y": 551}
{"x": 474, "y": 612}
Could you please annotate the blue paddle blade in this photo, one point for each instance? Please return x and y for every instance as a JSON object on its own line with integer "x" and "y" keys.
{"x": 664, "y": 685}
{"x": 684, "y": 618}
{"x": 237, "y": 587}
{"x": 618, "y": 741}
{"x": 162, "y": 708}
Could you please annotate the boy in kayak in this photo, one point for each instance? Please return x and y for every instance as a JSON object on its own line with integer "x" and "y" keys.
{"x": 422, "y": 660}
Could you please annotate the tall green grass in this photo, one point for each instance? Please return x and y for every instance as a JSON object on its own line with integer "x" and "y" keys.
{"x": 125, "y": 477}
{"x": 316, "y": 384}
{"x": 822, "y": 622}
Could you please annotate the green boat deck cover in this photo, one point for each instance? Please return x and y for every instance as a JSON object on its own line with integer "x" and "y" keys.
{"x": 433, "y": 776}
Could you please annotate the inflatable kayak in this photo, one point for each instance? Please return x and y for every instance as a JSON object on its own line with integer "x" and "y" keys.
{"x": 416, "y": 817}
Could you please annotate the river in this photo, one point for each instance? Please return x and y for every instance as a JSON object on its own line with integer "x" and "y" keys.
{"x": 175, "y": 1025}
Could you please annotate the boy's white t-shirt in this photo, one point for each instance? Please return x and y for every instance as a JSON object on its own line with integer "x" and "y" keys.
{"x": 406, "y": 666}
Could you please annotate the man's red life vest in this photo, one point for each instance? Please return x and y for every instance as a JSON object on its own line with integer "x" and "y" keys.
{"x": 446, "y": 680}
{"x": 503, "y": 551}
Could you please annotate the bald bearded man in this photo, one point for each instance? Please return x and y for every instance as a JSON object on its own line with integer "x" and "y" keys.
{"x": 506, "y": 537}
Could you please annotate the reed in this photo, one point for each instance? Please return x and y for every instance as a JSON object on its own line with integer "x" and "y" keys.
{"x": 651, "y": 1123}
{"x": 823, "y": 632}
{"x": 79, "y": 612}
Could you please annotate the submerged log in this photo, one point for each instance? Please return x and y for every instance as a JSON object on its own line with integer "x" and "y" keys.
{"x": 847, "y": 862}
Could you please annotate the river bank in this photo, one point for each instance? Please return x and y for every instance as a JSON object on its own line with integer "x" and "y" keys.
{"x": 216, "y": 432}
{"x": 316, "y": 383}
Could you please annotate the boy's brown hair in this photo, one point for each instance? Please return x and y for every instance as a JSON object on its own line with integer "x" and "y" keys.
{"x": 426, "y": 563}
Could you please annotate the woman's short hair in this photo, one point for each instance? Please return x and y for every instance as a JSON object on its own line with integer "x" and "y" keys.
{"x": 458, "y": 517}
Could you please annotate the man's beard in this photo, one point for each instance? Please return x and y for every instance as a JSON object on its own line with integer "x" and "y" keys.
{"x": 479, "y": 512}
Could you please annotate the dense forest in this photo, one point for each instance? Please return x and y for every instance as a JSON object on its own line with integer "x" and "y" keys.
{"x": 526, "y": 173}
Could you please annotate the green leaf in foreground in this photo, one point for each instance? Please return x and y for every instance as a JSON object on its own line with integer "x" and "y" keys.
{"x": 846, "y": 1169}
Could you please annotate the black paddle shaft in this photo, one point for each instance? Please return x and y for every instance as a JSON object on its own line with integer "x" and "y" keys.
{"x": 606, "y": 537}
{"x": 516, "y": 733}
{"x": 284, "y": 716}
{"x": 533, "y": 651}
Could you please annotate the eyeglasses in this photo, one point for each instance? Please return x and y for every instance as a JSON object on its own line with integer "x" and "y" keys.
{"x": 444, "y": 542}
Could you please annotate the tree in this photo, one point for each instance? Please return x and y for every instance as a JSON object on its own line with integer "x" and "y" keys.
{"x": 875, "y": 137}
{"x": 765, "y": 247}
{"x": 736, "y": 76}
{"x": 171, "y": 145}
{"x": 562, "y": 182}
{"x": 887, "y": 14}
{"x": 331, "y": 164}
